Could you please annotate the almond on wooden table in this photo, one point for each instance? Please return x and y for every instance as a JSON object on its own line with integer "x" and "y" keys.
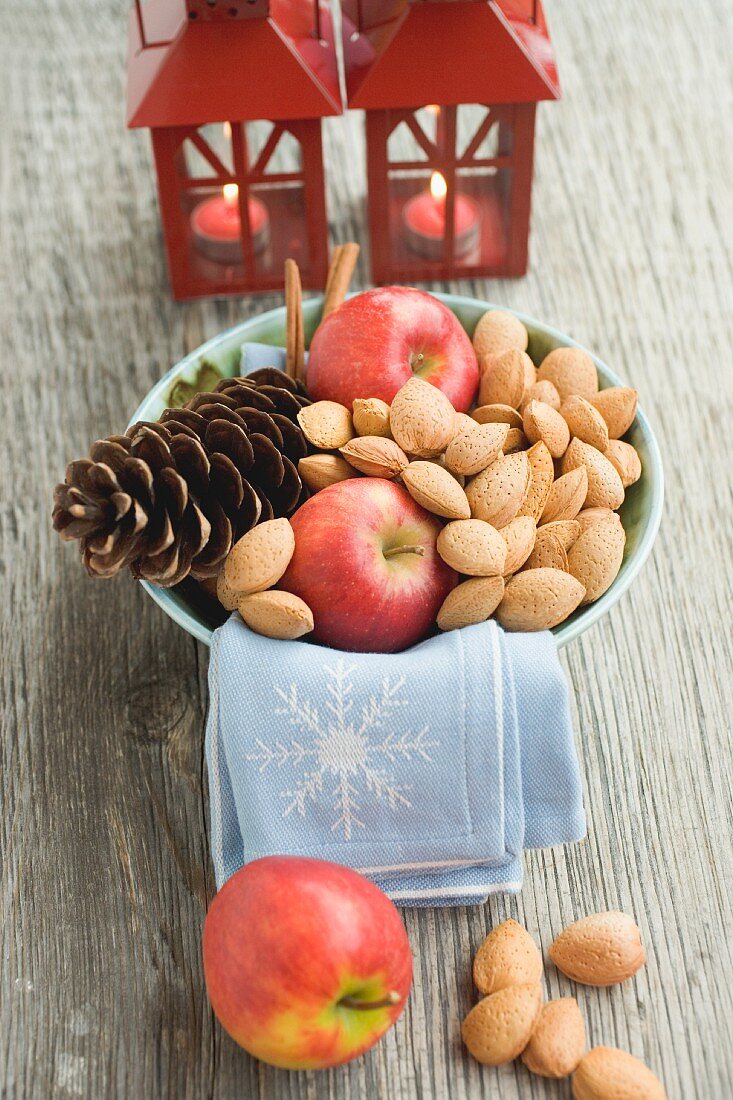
{"x": 473, "y": 601}
{"x": 558, "y": 1040}
{"x": 436, "y": 489}
{"x": 507, "y": 956}
{"x": 605, "y": 488}
{"x": 320, "y": 471}
{"x": 602, "y": 949}
{"x": 421, "y": 419}
{"x": 497, "y": 493}
{"x": 596, "y": 556}
{"x": 571, "y": 370}
{"x": 375, "y": 456}
{"x": 606, "y": 1073}
{"x": 539, "y": 599}
{"x": 498, "y": 330}
{"x": 259, "y": 559}
{"x": 326, "y": 424}
{"x": 472, "y": 547}
{"x": 617, "y": 406}
{"x": 498, "y": 1028}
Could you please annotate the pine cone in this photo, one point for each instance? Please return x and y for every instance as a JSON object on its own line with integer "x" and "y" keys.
{"x": 169, "y": 499}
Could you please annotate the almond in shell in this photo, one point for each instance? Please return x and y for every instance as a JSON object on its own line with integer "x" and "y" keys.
{"x": 499, "y": 1027}
{"x": 473, "y": 601}
{"x": 505, "y": 378}
{"x": 519, "y": 536}
{"x": 508, "y": 956}
{"x": 596, "y": 557}
{"x": 548, "y": 552}
{"x": 435, "y": 489}
{"x": 599, "y": 950}
{"x": 545, "y": 392}
{"x": 320, "y": 471}
{"x": 566, "y": 496}
{"x": 375, "y": 456}
{"x": 497, "y": 414}
{"x": 605, "y": 488}
{"x": 370, "y": 416}
{"x": 259, "y": 559}
{"x": 539, "y": 599}
{"x": 606, "y": 1073}
{"x": 515, "y": 441}
{"x": 588, "y": 516}
{"x": 585, "y": 422}
{"x": 571, "y": 370}
{"x": 543, "y": 473}
{"x": 462, "y": 422}
{"x": 497, "y": 493}
{"x": 542, "y": 422}
{"x": 626, "y": 460}
{"x": 471, "y": 451}
{"x": 276, "y": 614}
{"x": 617, "y": 406}
{"x": 326, "y": 424}
{"x": 226, "y": 596}
{"x": 421, "y": 419}
{"x": 472, "y": 547}
{"x": 498, "y": 330}
{"x": 566, "y": 530}
{"x": 558, "y": 1039}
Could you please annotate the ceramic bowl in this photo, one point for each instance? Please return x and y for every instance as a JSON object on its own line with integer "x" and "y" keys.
{"x": 640, "y": 512}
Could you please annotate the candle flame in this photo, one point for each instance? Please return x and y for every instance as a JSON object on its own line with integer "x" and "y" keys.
{"x": 231, "y": 193}
{"x": 438, "y": 186}
{"x": 227, "y": 129}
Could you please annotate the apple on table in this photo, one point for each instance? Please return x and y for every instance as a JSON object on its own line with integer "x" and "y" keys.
{"x": 375, "y": 342}
{"x": 366, "y": 564}
{"x": 307, "y": 963}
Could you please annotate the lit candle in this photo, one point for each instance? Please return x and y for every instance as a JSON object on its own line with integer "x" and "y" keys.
{"x": 423, "y": 220}
{"x": 216, "y": 228}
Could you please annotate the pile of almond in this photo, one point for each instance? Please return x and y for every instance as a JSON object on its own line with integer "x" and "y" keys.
{"x": 529, "y": 484}
{"x": 510, "y": 1020}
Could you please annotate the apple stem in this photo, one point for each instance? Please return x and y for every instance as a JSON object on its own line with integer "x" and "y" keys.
{"x": 395, "y": 550}
{"x": 389, "y": 1001}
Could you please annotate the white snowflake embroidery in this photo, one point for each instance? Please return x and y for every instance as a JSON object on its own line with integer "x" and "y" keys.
{"x": 339, "y": 753}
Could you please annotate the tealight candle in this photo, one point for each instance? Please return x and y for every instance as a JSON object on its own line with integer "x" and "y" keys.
{"x": 423, "y": 219}
{"x": 216, "y": 225}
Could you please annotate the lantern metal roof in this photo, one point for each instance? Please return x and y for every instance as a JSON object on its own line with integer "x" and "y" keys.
{"x": 448, "y": 51}
{"x": 192, "y": 64}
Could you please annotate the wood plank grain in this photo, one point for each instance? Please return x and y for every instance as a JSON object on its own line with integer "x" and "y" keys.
{"x": 105, "y": 864}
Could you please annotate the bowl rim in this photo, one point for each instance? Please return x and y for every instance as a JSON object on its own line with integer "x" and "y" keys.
{"x": 563, "y": 634}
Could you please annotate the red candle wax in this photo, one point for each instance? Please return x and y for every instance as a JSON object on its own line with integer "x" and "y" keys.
{"x": 424, "y": 221}
{"x": 216, "y": 228}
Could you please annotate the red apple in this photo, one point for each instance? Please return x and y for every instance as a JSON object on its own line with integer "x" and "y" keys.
{"x": 365, "y": 563}
{"x": 307, "y": 963}
{"x": 373, "y": 343}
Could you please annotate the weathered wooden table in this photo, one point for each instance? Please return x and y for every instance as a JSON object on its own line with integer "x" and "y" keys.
{"x": 105, "y": 866}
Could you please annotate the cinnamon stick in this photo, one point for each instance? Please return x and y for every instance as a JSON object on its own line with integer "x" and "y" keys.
{"x": 294, "y": 337}
{"x": 340, "y": 272}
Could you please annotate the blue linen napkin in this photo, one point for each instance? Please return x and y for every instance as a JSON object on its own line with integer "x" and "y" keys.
{"x": 428, "y": 771}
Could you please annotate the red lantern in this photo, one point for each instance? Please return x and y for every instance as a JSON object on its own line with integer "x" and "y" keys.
{"x": 450, "y": 89}
{"x": 233, "y": 92}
